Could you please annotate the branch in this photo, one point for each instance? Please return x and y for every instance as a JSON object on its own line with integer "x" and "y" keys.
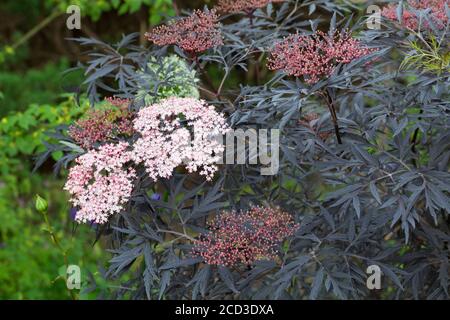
{"x": 331, "y": 107}
{"x": 36, "y": 29}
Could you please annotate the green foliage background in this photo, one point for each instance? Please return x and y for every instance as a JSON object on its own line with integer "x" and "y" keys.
{"x": 29, "y": 263}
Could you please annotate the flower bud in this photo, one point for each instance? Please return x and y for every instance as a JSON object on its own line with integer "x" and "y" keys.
{"x": 41, "y": 204}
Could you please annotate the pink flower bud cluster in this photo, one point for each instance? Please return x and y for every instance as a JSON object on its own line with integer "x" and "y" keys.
{"x": 310, "y": 121}
{"x": 245, "y": 237}
{"x": 315, "y": 56}
{"x": 247, "y": 6}
{"x": 101, "y": 182}
{"x": 118, "y": 102}
{"x": 194, "y": 34}
{"x": 102, "y": 125}
{"x": 179, "y": 131}
{"x": 411, "y": 21}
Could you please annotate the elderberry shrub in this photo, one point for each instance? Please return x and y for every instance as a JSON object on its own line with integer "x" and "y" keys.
{"x": 363, "y": 117}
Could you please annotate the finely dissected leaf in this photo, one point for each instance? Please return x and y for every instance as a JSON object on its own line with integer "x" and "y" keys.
{"x": 374, "y": 191}
{"x": 180, "y": 263}
{"x": 317, "y": 284}
{"x": 227, "y": 277}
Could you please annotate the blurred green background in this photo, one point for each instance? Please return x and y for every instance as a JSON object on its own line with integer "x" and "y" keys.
{"x": 33, "y": 54}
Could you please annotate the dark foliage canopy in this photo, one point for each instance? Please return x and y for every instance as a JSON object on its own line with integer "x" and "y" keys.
{"x": 380, "y": 197}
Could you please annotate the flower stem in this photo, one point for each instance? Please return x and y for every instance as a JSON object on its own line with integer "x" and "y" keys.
{"x": 58, "y": 245}
{"x": 207, "y": 77}
{"x": 414, "y": 141}
{"x": 331, "y": 107}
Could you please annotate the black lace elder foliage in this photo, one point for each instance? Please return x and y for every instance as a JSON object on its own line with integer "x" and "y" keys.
{"x": 381, "y": 197}
{"x": 123, "y": 69}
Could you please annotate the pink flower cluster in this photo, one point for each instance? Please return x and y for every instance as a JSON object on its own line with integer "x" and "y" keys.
{"x": 102, "y": 125}
{"x": 173, "y": 132}
{"x": 245, "y": 237}
{"x": 315, "y": 56}
{"x": 101, "y": 182}
{"x": 118, "y": 102}
{"x": 411, "y": 20}
{"x": 247, "y": 6}
{"x": 179, "y": 131}
{"x": 196, "y": 33}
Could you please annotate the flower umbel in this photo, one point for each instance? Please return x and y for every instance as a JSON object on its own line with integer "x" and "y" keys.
{"x": 315, "y": 56}
{"x": 102, "y": 125}
{"x": 179, "y": 131}
{"x": 194, "y": 34}
{"x": 245, "y": 237}
{"x": 100, "y": 183}
{"x": 246, "y": 6}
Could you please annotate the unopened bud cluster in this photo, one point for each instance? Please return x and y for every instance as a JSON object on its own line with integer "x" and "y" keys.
{"x": 315, "y": 56}
{"x": 245, "y": 237}
{"x": 194, "y": 34}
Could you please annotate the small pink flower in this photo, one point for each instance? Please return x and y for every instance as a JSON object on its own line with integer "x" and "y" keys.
{"x": 101, "y": 182}
{"x": 194, "y": 34}
{"x": 244, "y": 237}
{"x": 118, "y": 102}
{"x": 316, "y": 56}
